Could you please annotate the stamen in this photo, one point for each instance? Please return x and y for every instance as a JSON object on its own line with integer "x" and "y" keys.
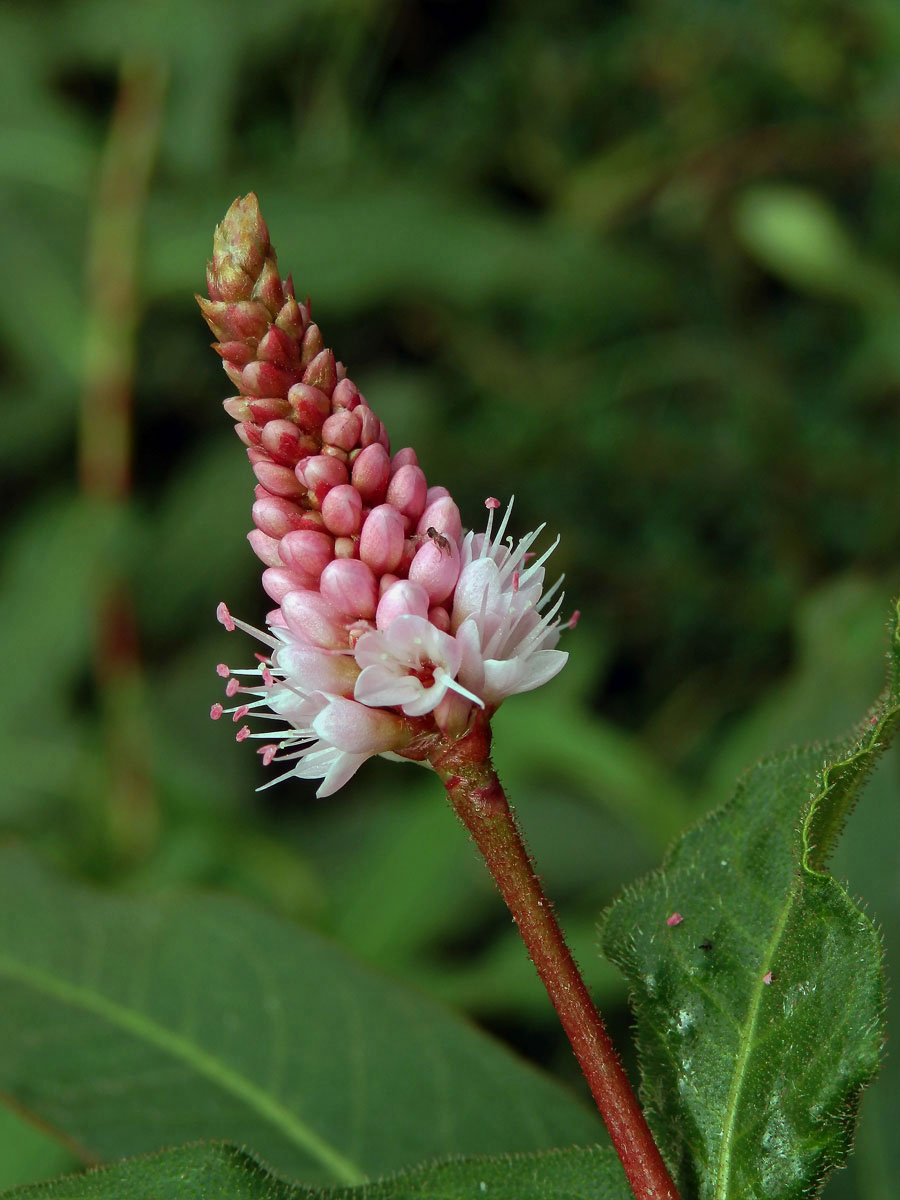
{"x": 574, "y": 619}
{"x": 458, "y": 687}
{"x": 502, "y": 530}
{"x": 242, "y": 734}
{"x": 232, "y": 687}
{"x": 240, "y": 713}
{"x": 223, "y": 670}
{"x": 550, "y": 593}
{"x": 267, "y": 753}
{"x": 215, "y": 712}
{"x": 225, "y": 618}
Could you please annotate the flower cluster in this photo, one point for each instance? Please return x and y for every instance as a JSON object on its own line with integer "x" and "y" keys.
{"x": 391, "y": 625}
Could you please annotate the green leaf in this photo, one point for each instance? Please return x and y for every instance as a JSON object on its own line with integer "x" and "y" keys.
{"x": 796, "y": 234}
{"x": 140, "y": 1024}
{"x": 226, "y": 1173}
{"x": 759, "y": 1015}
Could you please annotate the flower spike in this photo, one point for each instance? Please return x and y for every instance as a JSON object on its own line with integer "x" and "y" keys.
{"x": 392, "y": 627}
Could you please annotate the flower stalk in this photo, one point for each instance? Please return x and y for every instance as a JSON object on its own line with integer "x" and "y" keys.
{"x": 478, "y": 798}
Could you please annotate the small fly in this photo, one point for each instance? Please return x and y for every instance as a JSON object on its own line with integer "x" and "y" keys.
{"x": 442, "y": 543}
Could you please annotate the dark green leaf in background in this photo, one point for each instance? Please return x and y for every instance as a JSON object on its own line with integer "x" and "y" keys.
{"x": 139, "y": 1025}
{"x": 221, "y": 1172}
{"x": 760, "y": 1013}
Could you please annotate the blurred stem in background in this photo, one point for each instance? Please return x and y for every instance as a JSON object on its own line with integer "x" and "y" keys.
{"x": 113, "y": 294}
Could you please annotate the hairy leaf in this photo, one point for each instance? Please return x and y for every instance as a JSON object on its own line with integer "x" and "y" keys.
{"x": 205, "y": 1171}
{"x": 133, "y": 1025}
{"x": 759, "y": 1011}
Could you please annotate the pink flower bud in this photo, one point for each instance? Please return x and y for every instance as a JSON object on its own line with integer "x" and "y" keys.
{"x": 237, "y": 408}
{"x": 371, "y": 472}
{"x": 241, "y": 321}
{"x": 320, "y": 474}
{"x": 249, "y": 434}
{"x": 312, "y": 344}
{"x": 279, "y": 348}
{"x": 381, "y": 540}
{"x": 309, "y": 405}
{"x": 400, "y": 599}
{"x": 342, "y": 510}
{"x": 311, "y": 618}
{"x": 436, "y": 569}
{"x": 280, "y": 481}
{"x": 279, "y": 581}
{"x": 345, "y": 395}
{"x": 383, "y": 436}
{"x": 443, "y": 515}
{"x": 276, "y": 516}
{"x": 342, "y": 429}
{"x": 386, "y": 581}
{"x": 235, "y": 374}
{"x": 284, "y": 442}
{"x": 346, "y": 547}
{"x": 290, "y": 319}
{"x": 268, "y": 408}
{"x": 351, "y": 587}
{"x": 238, "y": 353}
{"x": 368, "y": 435}
{"x": 265, "y": 548}
{"x": 435, "y": 493}
{"x": 439, "y": 616}
{"x": 265, "y": 379}
{"x": 405, "y": 457}
{"x": 321, "y": 372}
{"x": 305, "y": 550}
{"x": 406, "y": 492}
{"x": 267, "y": 288}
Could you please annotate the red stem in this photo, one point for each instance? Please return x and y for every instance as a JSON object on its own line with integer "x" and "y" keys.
{"x": 480, "y": 803}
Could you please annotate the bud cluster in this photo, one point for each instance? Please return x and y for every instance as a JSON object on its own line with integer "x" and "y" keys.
{"x": 390, "y": 625}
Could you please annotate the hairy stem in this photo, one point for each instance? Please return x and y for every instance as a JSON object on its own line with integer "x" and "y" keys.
{"x": 480, "y": 803}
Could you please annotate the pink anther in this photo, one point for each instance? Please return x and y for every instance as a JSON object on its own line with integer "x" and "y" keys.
{"x": 223, "y": 670}
{"x": 232, "y": 686}
{"x": 492, "y": 502}
{"x": 240, "y": 713}
{"x": 260, "y": 657}
{"x": 267, "y": 677}
{"x": 515, "y": 581}
{"x": 267, "y": 753}
{"x": 242, "y": 734}
{"x": 574, "y": 619}
{"x": 216, "y": 711}
{"x": 675, "y": 919}
{"x": 225, "y": 618}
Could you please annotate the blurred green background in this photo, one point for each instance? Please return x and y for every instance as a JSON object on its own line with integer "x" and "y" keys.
{"x": 637, "y": 262}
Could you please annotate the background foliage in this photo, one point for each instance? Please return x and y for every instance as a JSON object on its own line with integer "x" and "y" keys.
{"x": 635, "y": 262}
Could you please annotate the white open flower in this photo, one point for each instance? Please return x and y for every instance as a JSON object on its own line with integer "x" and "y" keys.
{"x": 410, "y": 664}
{"x": 323, "y": 733}
{"x": 507, "y": 640}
